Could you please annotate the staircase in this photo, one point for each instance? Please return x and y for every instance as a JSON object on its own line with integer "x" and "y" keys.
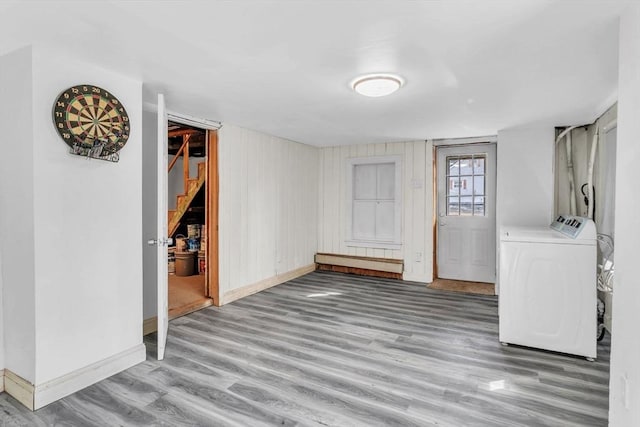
{"x": 183, "y": 201}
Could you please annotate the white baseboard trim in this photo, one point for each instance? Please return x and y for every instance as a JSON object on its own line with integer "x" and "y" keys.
{"x": 70, "y": 383}
{"x": 247, "y": 290}
{"x": 35, "y": 397}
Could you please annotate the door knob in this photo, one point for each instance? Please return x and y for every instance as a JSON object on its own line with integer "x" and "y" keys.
{"x": 160, "y": 242}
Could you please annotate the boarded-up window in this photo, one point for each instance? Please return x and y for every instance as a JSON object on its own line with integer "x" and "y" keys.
{"x": 375, "y": 208}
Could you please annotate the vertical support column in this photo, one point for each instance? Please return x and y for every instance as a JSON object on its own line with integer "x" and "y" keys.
{"x": 185, "y": 162}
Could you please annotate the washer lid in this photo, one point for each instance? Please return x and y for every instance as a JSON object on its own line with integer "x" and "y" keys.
{"x": 543, "y": 235}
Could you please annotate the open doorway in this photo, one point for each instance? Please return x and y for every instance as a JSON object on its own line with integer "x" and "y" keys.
{"x": 190, "y": 189}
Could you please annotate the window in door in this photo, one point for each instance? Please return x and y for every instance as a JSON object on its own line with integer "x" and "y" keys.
{"x": 374, "y": 201}
{"x": 466, "y": 189}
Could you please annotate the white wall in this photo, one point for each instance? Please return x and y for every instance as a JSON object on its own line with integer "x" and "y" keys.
{"x": 417, "y": 202}
{"x": 16, "y": 213}
{"x": 88, "y": 221}
{"x": 525, "y": 177}
{"x": 268, "y": 206}
{"x": 624, "y": 402}
{"x": 524, "y": 180}
{"x": 71, "y": 272}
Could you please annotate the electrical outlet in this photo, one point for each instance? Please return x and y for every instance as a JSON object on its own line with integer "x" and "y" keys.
{"x": 418, "y": 256}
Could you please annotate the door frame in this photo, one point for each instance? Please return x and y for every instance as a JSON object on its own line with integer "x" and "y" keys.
{"x": 212, "y": 216}
{"x": 212, "y": 187}
{"x": 453, "y": 142}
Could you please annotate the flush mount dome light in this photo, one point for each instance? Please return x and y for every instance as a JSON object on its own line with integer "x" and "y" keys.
{"x": 375, "y": 85}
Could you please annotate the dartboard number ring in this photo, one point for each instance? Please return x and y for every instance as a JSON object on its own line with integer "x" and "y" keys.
{"x": 86, "y": 115}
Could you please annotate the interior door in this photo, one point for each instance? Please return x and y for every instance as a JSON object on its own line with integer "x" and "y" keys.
{"x": 161, "y": 240}
{"x": 466, "y": 224}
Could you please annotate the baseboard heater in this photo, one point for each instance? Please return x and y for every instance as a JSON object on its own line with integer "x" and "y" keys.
{"x": 366, "y": 266}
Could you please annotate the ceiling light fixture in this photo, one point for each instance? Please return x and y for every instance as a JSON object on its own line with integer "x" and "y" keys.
{"x": 376, "y": 85}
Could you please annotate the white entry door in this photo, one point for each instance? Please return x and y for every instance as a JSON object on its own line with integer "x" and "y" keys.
{"x": 466, "y": 224}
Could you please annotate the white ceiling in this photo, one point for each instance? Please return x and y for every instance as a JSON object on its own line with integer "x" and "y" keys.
{"x": 284, "y": 67}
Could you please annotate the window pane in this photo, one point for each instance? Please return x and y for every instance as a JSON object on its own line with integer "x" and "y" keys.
{"x": 364, "y": 182}
{"x": 386, "y": 181}
{"x": 384, "y": 220}
{"x": 453, "y": 206}
{"x": 466, "y": 205}
{"x": 478, "y": 166}
{"x": 479, "y": 186}
{"x": 466, "y": 185}
{"x": 478, "y": 206}
{"x": 453, "y": 188}
{"x": 466, "y": 167}
{"x": 454, "y": 166}
{"x": 364, "y": 220}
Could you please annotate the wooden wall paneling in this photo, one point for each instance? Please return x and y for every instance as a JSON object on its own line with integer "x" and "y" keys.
{"x": 263, "y": 216}
{"x": 234, "y": 211}
{"x": 271, "y": 225}
{"x": 390, "y": 149}
{"x": 335, "y": 212}
{"x": 361, "y": 151}
{"x": 328, "y": 194}
{"x": 268, "y": 213}
{"x": 320, "y": 223}
{"x": 246, "y": 266}
{"x": 250, "y": 206}
{"x": 378, "y": 150}
{"x": 419, "y": 213}
{"x": 235, "y": 220}
{"x": 343, "y": 152}
{"x": 290, "y": 193}
{"x": 407, "y": 203}
{"x": 283, "y": 212}
{"x": 417, "y": 204}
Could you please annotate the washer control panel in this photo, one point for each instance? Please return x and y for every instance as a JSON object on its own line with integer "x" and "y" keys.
{"x": 569, "y": 225}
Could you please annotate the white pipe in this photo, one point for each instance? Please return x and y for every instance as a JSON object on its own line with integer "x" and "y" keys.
{"x": 592, "y": 159}
{"x": 572, "y": 189}
{"x": 564, "y": 132}
{"x": 612, "y": 124}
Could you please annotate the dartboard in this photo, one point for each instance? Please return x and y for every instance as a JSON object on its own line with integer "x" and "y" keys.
{"x": 88, "y": 116}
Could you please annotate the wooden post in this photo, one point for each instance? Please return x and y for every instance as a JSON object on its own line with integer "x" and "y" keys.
{"x": 185, "y": 163}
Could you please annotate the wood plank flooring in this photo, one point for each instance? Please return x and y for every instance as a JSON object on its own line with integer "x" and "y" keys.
{"x": 186, "y": 294}
{"x": 341, "y": 350}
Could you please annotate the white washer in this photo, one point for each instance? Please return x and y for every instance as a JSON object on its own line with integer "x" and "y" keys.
{"x": 548, "y": 287}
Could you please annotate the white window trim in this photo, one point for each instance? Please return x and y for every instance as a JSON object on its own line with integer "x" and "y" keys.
{"x": 396, "y": 243}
